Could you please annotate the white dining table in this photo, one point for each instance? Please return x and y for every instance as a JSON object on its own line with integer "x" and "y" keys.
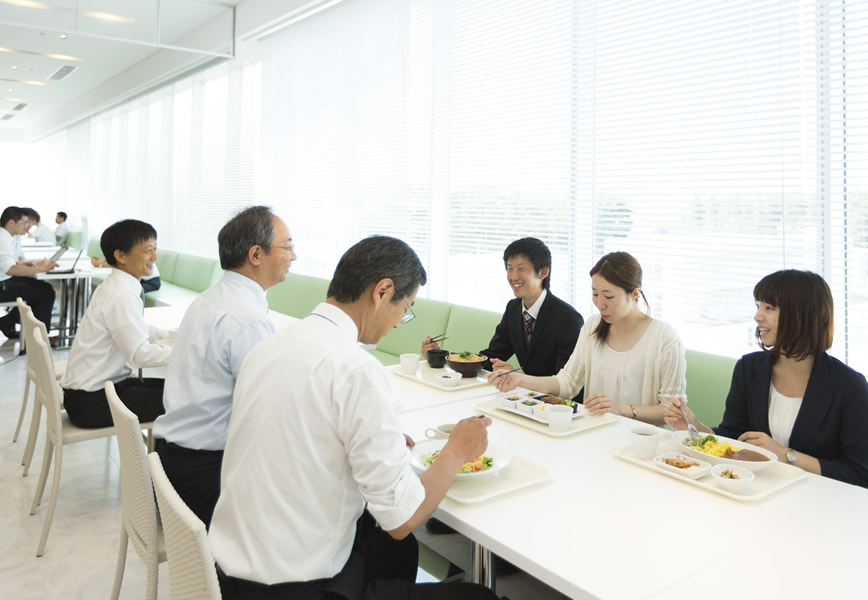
{"x": 602, "y": 527}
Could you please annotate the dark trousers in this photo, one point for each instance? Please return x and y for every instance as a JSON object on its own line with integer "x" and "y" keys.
{"x": 379, "y": 568}
{"x": 39, "y": 295}
{"x": 195, "y": 475}
{"x": 144, "y": 397}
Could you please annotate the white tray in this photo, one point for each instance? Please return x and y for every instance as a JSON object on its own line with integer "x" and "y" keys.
{"x": 492, "y": 408}
{"x": 427, "y": 376}
{"x": 767, "y": 482}
{"x": 518, "y": 475}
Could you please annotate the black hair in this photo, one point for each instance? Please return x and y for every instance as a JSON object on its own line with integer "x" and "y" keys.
{"x": 536, "y": 251}
{"x": 11, "y": 213}
{"x": 252, "y": 226}
{"x": 60, "y": 213}
{"x": 373, "y": 259}
{"x": 122, "y": 236}
{"x": 30, "y": 213}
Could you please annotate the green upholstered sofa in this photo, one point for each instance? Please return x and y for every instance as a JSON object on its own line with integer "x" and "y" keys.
{"x": 74, "y": 240}
{"x": 708, "y": 379}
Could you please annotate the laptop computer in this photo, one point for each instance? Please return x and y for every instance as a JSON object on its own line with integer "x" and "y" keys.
{"x": 60, "y": 252}
{"x": 66, "y": 271}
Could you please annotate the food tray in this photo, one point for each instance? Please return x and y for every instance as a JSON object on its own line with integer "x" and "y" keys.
{"x": 518, "y": 475}
{"x": 492, "y": 408}
{"x": 771, "y": 480}
{"x": 427, "y": 376}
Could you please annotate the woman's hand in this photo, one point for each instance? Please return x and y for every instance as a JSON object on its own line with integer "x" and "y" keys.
{"x": 429, "y": 345}
{"x": 673, "y": 417}
{"x": 504, "y": 383}
{"x": 763, "y": 440}
{"x": 599, "y": 404}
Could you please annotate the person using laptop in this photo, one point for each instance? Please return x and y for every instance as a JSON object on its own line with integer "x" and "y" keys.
{"x": 17, "y": 276}
{"x": 113, "y": 335}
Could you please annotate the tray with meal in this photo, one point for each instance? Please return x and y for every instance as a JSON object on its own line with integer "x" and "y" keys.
{"x": 443, "y": 378}
{"x": 529, "y": 409}
{"x": 494, "y": 473}
{"x": 721, "y": 465}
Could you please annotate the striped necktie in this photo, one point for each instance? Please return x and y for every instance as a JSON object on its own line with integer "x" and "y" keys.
{"x": 528, "y": 326}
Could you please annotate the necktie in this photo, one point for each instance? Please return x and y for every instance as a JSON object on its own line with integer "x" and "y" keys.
{"x": 528, "y": 326}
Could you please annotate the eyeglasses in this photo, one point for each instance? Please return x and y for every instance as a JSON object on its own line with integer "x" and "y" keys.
{"x": 409, "y": 315}
{"x": 290, "y": 248}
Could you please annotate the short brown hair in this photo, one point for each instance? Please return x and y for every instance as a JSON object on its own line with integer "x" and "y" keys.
{"x": 806, "y": 314}
{"x": 624, "y": 271}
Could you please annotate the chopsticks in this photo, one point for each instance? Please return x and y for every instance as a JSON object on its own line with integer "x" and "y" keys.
{"x": 439, "y": 338}
{"x": 507, "y": 372}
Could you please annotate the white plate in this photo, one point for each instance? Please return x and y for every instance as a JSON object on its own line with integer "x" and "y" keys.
{"x": 755, "y": 467}
{"x": 704, "y": 467}
{"x": 501, "y": 459}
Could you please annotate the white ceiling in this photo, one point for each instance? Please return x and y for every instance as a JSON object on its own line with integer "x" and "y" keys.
{"x": 118, "y": 58}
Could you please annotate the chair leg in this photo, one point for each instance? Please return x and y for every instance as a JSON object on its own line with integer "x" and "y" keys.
{"x": 43, "y": 476}
{"x": 52, "y": 503}
{"x": 23, "y": 408}
{"x": 122, "y": 561}
{"x": 30, "y": 446}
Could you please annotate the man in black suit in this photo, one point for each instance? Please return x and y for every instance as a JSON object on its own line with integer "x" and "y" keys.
{"x": 537, "y": 327}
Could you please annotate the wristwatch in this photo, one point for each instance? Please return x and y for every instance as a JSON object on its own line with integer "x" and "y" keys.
{"x": 791, "y": 457}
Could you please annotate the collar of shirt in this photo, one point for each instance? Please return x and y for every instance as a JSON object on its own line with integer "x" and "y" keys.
{"x": 237, "y": 279}
{"x": 341, "y": 320}
{"x": 127, "y": 281}
{"x": 534, "y": 310}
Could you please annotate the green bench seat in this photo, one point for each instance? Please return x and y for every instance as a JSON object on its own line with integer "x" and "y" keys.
{"x": 298, "y": 295}
{"x": 708, "y": 379}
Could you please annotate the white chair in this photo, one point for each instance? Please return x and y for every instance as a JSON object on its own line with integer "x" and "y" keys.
{"x": 59, "y": 430}
{"x": 192, "y": 573}
{"x": 27, "y": 329}
{"x": 139, "y": 521}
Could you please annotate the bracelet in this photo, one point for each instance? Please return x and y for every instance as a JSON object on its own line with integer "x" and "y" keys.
{"x": 633, "y": 408}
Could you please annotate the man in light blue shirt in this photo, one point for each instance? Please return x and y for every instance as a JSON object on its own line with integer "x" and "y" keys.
{"x": 221, "y": 326}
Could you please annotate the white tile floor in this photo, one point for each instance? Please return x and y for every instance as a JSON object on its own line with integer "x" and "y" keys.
{"x": 81, "y": 553}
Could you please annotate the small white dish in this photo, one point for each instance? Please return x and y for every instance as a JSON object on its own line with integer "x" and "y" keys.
{"x": 510, "y": 401}
{"x": 740, "y": 485}
{"x": 694, "y": 472}
{"x": 526, "y": 406}
{"x": 560, "y": 417}
{"x": 539, "y": 411}
{"x": 448, "y": 379}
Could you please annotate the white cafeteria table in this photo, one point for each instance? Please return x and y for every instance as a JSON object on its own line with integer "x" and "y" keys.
{"x": 602, "y": 527}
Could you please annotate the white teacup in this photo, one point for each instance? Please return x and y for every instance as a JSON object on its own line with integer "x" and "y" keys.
{"x": 441, "y": 432}
{"x": 560, "y": 417}
{"x": 409, "y": 363}
{"x": 644, "y": 441}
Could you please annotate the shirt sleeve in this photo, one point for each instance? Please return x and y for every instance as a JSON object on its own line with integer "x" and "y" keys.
{"x": 126, "y": 324}
{"x": 379, "y": 458}
{"x": 673, "y": 366}
{"x": 7, "y": 261}
{"x": 242, "y": 340}
{"x": 572, "y": 377}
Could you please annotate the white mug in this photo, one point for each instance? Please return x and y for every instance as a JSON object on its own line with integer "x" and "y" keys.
{"x": 644, "y": 441}
{"x": 441, "y": 432}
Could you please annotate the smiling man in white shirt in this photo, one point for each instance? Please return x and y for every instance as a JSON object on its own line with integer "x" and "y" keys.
{"x": 113, "y": 335}
{"x": 218, "y": 330}
{"x": 318, "y": 498}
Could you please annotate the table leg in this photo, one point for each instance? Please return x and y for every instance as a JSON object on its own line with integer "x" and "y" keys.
{"x": 64, "y": 307}
{"x": 481, "y": 565}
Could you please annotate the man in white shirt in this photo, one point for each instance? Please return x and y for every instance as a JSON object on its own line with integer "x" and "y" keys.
{"x": 219, "y": 329}
{"x": 17, "y": 276}
{"x": 318, "y": 498}
{"x": 113, "y": 335}
{"x": 62, "y": 228}
{"x": 42, "y": 232}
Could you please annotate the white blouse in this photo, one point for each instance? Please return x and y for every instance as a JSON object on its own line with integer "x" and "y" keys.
{"x": 783, "y": 411}
{"x": 622, "y": 373}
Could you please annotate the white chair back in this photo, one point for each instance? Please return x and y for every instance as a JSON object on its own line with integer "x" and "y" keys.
{"x": 192, "y": 574}
{"x": 139, "y": 509}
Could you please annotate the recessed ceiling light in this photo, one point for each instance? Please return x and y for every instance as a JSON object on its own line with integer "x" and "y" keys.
{"x": 94, "y": 14}
{"x": 14, "y": 68}
{"x": 62, "y": 36}
{"x": 42, "y": 83}
{"x": 45, "y": 54}
{"x": 12, "y": 100}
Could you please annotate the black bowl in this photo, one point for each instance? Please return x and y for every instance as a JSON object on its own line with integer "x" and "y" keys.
{"x": 437, "y": 358}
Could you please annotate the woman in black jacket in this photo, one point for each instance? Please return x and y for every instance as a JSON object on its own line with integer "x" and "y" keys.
{"x": 792, "y": 398}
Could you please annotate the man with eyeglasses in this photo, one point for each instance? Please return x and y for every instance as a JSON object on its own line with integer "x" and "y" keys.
{"x": 319, "y": 499}
{"x": 219, "y": 329}
{"x": 17, "y": 276}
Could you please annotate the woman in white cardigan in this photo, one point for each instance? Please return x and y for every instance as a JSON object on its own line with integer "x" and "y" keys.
{"x": 626, "y": 361}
